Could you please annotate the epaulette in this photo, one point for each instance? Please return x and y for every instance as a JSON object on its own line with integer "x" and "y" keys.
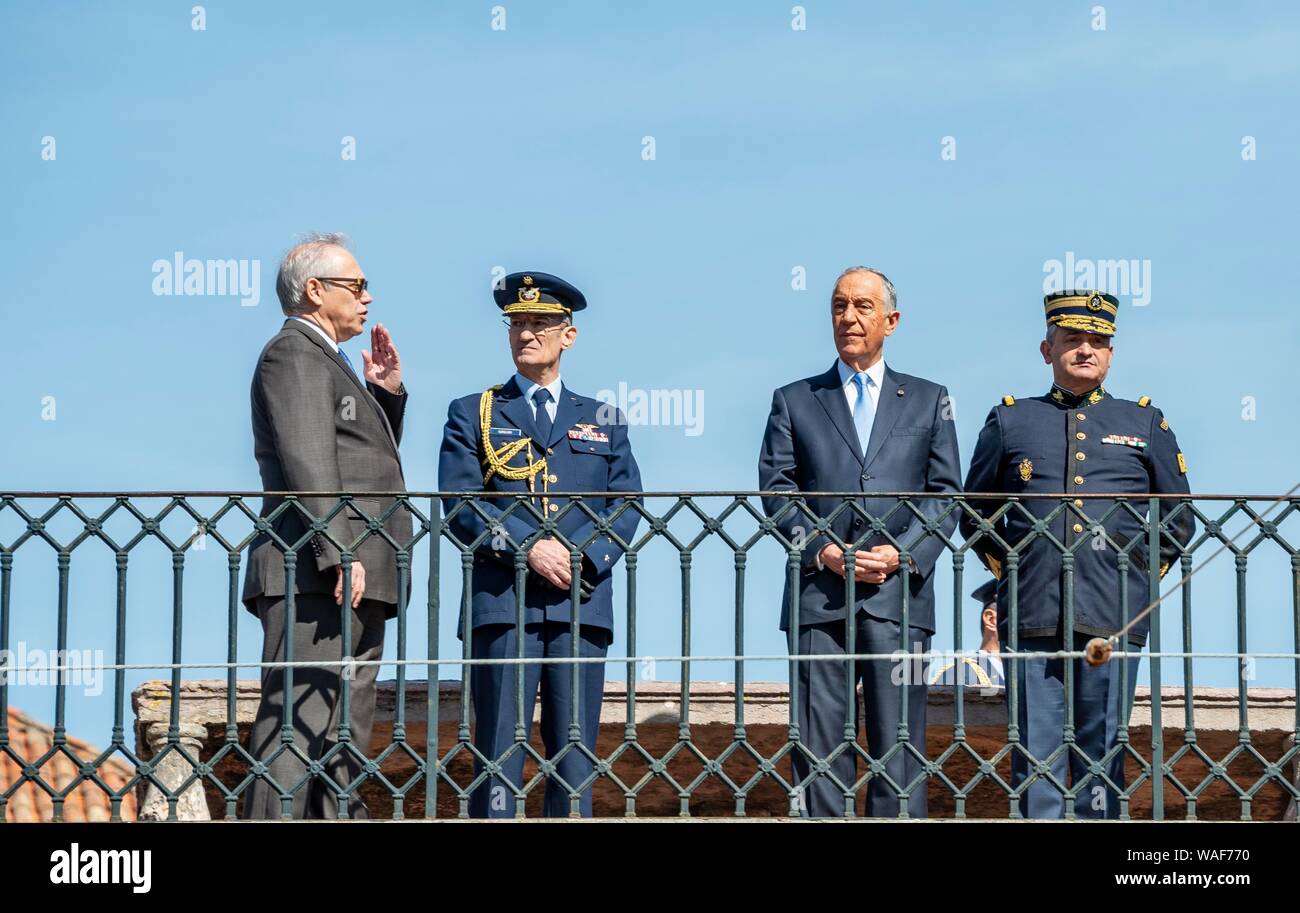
{"x": 1144, "y": 401}
{"x": 1008, "y": 400}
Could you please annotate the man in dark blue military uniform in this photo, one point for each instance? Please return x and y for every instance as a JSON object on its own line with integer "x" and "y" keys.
{"x": 1078, "y": 440}
{"x": 533, "y": 435}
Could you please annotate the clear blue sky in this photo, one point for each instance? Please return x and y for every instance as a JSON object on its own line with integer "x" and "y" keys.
{"x": 775, "y": 148}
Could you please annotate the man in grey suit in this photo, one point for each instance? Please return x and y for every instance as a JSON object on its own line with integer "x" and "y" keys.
{"x": 318, "y": 426}
{"x": 861, "y": 426}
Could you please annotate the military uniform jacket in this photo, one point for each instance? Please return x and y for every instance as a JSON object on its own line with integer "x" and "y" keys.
{"x": 1062, "y": 443}
{"x": 587, "y": 450}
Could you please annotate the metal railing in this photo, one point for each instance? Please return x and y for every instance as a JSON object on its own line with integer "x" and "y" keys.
{"x": 72, "y": 524}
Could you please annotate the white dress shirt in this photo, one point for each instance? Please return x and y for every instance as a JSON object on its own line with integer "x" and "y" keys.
{"x": 530, "y": 387}
{"x": 323, "y": 335}
{"x": 877, "y": 374}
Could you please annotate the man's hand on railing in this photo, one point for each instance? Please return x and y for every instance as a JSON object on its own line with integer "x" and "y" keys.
{"x": 551, "y": 559}
{"x": 871, "y": 565}
{"x": 358, "y": 584}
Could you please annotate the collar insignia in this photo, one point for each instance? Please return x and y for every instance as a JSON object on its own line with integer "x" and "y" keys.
{"x": 1074, "y": 400}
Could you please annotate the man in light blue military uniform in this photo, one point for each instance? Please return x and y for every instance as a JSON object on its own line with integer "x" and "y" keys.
{"x": 534, "y": 435}
{"x": 984, "y": 670}
{"x": 1076, "y": 439}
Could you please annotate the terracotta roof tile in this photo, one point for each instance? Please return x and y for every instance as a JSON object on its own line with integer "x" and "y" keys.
{"x": 31, "y": 740}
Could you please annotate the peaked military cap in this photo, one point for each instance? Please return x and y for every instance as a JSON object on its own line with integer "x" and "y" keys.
{"x": 986, "y": 593}
{"x": 1088, "y": 310}
{"x": 537, "y": 293}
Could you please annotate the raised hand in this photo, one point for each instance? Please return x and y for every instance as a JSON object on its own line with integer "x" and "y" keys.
{"x": 384, "y": 367}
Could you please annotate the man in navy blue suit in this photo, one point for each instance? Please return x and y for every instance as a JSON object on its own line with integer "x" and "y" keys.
{"x": 861, "y": 427}
{"x": 533, "y": 435}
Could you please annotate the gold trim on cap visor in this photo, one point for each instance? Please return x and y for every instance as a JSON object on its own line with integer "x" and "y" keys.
{"x": 528, "y": 300}
{"x": 535, "y": 307}
{"x": 1093, "y": 302}
{"x": 1083, "y": 322}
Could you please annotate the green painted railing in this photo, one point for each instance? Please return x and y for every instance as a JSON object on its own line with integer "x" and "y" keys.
{"x": 73, "y": 523}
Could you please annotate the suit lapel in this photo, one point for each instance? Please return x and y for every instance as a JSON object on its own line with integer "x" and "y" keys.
{"x": 356, "y": 381}
{"x": 566, "y": 414}
{"x": 888, "y": 408}
{"x": 370, "y": 398}
{"x": 830, "y": 394}
{"x": 510, "y": 402}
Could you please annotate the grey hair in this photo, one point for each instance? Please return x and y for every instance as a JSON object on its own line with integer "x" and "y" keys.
{"x": 891, "y": 296}
{"x": 310, "y": 257}
{"x": 1051, "y": 333}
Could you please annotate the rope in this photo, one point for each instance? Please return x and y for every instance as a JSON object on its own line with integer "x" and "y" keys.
{"x": 1099, "y": 649}
{"x": 514, "y": 660}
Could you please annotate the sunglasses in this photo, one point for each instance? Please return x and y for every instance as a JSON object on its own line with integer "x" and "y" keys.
{"x": 355, "y": 286}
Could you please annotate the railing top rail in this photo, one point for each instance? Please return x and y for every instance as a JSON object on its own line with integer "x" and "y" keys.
{"x": 782, "y": 493}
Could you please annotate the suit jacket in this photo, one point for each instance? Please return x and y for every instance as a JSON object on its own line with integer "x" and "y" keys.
{"x": 811, "y": 445}
{"x": 1058, "y": 443}
{"x": 318, "y": 427}
{"x": 577, "y": 460}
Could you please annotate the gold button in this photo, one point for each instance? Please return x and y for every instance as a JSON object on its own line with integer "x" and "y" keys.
{"x": 1078, "y": 480}
{"x": 1081, "y": 456}
{"x": 1078, "y": 502}
{"x": 1080, "y": 416}
{"x": 1081, "y": 436}
{"x": 554, "y": 508}
{"x": 1078, "y": 527}
{"x": 553, "y": 479}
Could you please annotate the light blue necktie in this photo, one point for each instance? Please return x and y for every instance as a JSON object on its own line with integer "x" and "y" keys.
{"x": 864, "y": 411}
{"x": 347, "y": 361}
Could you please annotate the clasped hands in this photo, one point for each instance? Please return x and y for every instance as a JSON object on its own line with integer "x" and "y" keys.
{"x": 870, "y": 565}
{"x": 551, "y": 559}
